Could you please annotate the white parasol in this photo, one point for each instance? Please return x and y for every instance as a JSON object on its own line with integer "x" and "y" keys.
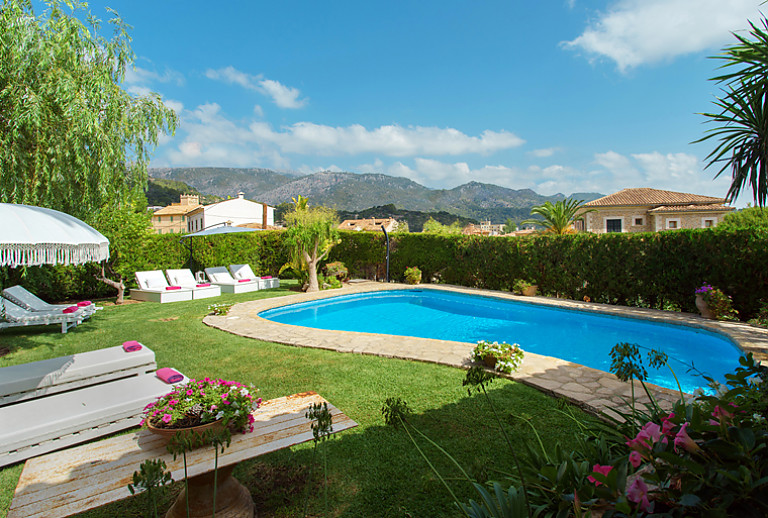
{"x": 31, "y": 236}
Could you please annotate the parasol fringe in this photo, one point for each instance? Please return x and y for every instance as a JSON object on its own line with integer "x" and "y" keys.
{"x": 14, "y": 255}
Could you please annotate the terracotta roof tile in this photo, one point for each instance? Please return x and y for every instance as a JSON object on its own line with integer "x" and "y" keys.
{"x": 715, "y": 207}
{"x": 648, "y": 196}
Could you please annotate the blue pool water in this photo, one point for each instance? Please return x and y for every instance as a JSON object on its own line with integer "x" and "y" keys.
{"x": 578, "y": 336}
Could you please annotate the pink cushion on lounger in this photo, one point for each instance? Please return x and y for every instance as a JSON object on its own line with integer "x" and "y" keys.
{"x": 266, "y": 276}
{"x": 169, "y": 375}
{"x": 204, "y": 285}
{"x": 173, "y": 288}
{"x": 131, "y": 345}
{"x": 70, "y": 309}
{"x": 84, "y": 303}
{"x": 244, "y": 280}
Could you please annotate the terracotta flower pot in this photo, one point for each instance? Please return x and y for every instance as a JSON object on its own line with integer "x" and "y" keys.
{"x": 703, "y": 307}
{"x": 530, "y": 291}
{"x": 490, "y": 361}
{"x": 168, "y": 433}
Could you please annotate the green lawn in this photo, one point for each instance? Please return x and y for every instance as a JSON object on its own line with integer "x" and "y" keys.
{"x": 373, "y": 470}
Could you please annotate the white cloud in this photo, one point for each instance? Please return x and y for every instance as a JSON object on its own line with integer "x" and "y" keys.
{"x": 390, "y": 140}
{"x": 637, "y": 32}
{"x": 207, "y": 137}
{"x": 258, "y": 111}
{"x": 283, "y": 96}
{"x": 675, "y": 172}
{"x": 139, "y": 75}
{"x": 544, "y": 153}
{"x": 231, "y": 75}
{"x": 681, "y": 172}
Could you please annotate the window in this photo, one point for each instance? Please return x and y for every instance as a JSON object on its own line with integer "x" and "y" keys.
{"x": 707, "y": 222}
{"x": 159, "y": 219}
{"x": 171, "y": 219}
{"x": 182, "y": 219}
{"x": 639, "y": 222}
{"x": 613, "y": 225}
{"x": 673, "y": 224}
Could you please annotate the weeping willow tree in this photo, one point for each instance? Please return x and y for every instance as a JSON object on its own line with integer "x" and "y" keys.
{"x": 311, "y": 233}
{"x": 71, "y": 138}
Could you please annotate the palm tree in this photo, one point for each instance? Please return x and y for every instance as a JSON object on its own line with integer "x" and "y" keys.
{"x": 742, "y": 130}
{"x": 558, "y": 216}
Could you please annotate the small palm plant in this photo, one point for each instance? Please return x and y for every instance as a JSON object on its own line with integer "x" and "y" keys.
{"x": 558, "y": 216}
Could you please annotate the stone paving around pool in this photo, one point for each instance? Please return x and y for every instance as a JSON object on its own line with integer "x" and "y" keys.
{"x": 591, "y": 389}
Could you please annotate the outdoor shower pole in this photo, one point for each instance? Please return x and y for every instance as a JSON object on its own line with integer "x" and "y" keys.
{"x": 387, "y": 236}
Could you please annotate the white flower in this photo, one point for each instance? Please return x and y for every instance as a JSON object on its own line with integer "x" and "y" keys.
{"x": 219, "y": 415}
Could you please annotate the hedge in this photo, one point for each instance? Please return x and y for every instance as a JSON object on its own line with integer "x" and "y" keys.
{"x": 659, "y": 270}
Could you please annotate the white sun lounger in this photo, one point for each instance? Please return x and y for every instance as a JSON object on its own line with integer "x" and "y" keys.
{"x": 17, "y": 316}
{"x": 221, "y": 277}
{"x": 57, "y": 403}
{"x": 153, "y": 287}
{"x": 185, "y": 279}
{"x": 243, "y": 271}
{"x": 31, "y": 302}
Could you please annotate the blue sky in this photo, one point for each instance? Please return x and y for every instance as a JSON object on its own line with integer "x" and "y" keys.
{"x": 557, "y": 96}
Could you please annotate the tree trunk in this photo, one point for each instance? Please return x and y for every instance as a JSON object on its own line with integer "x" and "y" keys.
{"x": 313, "y": 285}
{"x": 118, "y": 285}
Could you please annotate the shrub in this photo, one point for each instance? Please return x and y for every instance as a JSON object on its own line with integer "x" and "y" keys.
{"x": 412, "y": 275}
{"x": 502, "y": 357}
{"x": 336, "y": 269}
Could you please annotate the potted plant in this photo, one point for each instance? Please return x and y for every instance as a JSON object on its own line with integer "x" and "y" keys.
{"x": 713, "y": 303}
{"x": 202, "y": 404}
{"x": 502, "y": 357}
{"x": 412, "y": 275}
{"x": 523, "y": 287}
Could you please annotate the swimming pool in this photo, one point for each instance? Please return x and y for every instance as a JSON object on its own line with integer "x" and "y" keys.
{"x": 577, "y": 336}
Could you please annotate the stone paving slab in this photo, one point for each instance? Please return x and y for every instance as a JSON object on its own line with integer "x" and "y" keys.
{"x": 592, "y": 389}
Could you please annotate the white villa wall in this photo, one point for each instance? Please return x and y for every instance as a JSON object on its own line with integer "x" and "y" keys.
{"x": 236, "y": 211}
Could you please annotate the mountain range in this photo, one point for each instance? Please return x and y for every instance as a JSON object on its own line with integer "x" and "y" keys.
{"x": 354, "y": 192}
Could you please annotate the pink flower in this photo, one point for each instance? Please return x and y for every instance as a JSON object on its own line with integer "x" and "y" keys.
{"x": 603, "y": 470}
{"x": 667, "y": 425}
{"x": 251, "y": 419}
{"x": 637, "y": 492}
{"x": 646, "y": 437}
{"x": 635, "y": 458}
{"x": 721, "y": 415}
{"x": 167, "y": 418}
{"x": 684, "y": 441}
{"x": 190, "y": 392}
{"x": 172, "y": 402}
{"x": 225, "y": 395}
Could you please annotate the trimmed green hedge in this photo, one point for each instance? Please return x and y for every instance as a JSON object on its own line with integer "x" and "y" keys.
{"x": 659, "y": 270}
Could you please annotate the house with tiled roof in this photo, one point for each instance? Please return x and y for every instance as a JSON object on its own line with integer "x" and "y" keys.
{"x": 651, "y": 210}
{"x": 173, "y": 218}
{"x": 369, "y": 224}
{"x": 233, "y": 212}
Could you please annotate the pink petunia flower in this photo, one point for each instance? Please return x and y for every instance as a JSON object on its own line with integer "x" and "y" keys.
{"x": 167, "y": 418}
{"x": 603, "y": 470}
{"x": 684, "y": 441}
{"x": 635, "y": 458}
{"x": 637, "y": 492}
